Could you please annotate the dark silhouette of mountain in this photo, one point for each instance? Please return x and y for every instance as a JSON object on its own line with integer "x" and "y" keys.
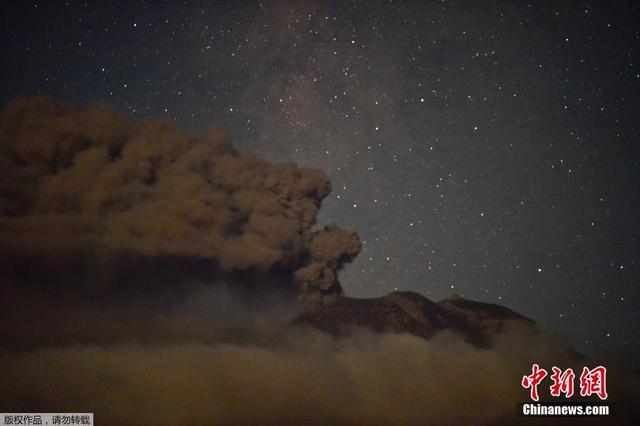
{"x": 409, "y": 312}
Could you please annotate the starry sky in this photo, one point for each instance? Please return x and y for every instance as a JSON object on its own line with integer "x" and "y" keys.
{"x": 487, "y": 149}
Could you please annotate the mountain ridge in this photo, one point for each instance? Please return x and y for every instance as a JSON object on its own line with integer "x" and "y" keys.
{"x": 409, "y": 312}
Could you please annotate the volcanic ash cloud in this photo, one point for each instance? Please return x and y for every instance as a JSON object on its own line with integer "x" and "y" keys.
{"x": 85, "y": 181}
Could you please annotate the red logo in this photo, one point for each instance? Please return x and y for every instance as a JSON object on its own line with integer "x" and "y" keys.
{"x": 592, "y": 382}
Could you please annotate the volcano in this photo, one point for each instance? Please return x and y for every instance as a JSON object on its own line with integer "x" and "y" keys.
{"x": 409, "y": 312}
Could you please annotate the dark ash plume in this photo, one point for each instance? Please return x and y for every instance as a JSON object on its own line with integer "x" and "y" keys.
{"x": 92, "y": 180}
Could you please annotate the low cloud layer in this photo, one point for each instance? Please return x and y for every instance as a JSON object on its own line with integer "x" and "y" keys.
{"x": 305, "y": 378}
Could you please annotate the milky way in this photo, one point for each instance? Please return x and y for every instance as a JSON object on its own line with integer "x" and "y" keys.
{"x": 486, "y": 149}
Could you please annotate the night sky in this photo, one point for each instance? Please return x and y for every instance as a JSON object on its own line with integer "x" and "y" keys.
{"x": 487, "y": 149}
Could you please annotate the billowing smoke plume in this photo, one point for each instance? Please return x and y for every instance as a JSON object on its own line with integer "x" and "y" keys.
{"x": 93, "y": 180}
